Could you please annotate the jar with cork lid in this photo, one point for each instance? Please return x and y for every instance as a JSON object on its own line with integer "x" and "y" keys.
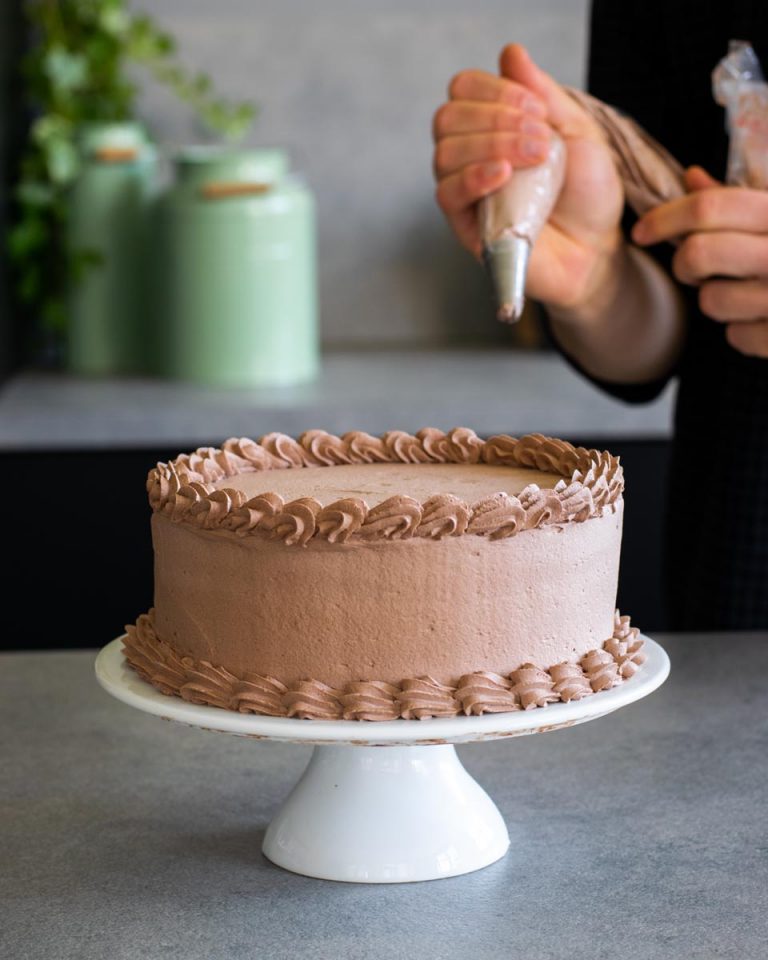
{"x": 107, "y": 234}
{"x": 238, "y": 270}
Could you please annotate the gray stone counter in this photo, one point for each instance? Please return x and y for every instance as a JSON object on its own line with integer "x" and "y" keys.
{"x": 491, "y": 391}
{"x": 641, "y": 835}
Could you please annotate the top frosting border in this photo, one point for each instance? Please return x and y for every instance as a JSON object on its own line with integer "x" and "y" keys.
{"x": 184, "y": 490}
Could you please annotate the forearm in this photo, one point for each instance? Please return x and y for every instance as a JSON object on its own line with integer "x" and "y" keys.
{"x": 631, "y": 329}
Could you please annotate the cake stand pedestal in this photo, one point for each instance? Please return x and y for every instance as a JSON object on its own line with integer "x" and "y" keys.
{"x": 367, "y": 815}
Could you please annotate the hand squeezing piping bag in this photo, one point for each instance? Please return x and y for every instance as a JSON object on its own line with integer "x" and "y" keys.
{"x": 511, "y": 220}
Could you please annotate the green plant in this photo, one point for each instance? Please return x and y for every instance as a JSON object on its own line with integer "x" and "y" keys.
{"x": 76, "y": 72}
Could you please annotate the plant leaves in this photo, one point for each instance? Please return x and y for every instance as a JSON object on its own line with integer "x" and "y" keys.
{"x": 62, "y": 159}
{"x": 26, "y": 236}
{"x": 34, "y": 193}
{"x": 114, "y": 20}
{"x": 67, "y": 71}
{"x": 50, "y": 126}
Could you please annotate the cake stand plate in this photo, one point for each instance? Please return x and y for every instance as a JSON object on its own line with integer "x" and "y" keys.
{"x": 411, "y": 812}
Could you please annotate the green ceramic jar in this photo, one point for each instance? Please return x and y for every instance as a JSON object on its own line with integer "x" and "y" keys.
{"x": 239, "y": 271}
{"x": 108, "y": 215}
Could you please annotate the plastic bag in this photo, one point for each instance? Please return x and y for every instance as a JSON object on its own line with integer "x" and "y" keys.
{"x": 739, "y": 86}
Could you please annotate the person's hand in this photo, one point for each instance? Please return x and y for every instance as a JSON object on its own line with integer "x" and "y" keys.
{"x": 494, "y": 124}
{"x": 723, "y": 251}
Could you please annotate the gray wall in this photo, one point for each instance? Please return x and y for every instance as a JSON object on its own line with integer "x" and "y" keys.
{"x": 349, "y": 87}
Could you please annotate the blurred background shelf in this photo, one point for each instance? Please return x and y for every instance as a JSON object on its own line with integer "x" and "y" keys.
{"x": 492, "y": 391}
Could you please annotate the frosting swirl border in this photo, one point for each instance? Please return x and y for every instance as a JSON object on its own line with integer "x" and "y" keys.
{"x": 184, "y": 490}
{"x": 416, "y": 698}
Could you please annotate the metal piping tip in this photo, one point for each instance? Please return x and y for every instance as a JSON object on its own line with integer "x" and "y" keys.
{"x": 507, "y": 261}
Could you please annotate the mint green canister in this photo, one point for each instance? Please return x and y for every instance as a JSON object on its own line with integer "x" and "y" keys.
{"x": 108, "y": 227}
{"x": 239, "y": 270}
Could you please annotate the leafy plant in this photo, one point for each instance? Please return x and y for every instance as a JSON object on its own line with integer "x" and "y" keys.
{"x": 76, "y": 72}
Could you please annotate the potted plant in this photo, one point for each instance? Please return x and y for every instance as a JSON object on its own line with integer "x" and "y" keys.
{"x": 85, "y": 158}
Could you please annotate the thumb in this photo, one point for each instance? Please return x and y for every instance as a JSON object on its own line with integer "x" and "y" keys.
{"x": 697, "y": 178}
{"x": 564, "y": 113}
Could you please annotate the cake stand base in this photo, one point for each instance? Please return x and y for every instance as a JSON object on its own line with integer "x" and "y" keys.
{"x": 386, "y": 816}
{"x": 367, "y": 815}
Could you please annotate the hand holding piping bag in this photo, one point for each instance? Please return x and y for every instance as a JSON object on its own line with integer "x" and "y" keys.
{"x": 512, "y": 217}
{"x": 495, "y": 127}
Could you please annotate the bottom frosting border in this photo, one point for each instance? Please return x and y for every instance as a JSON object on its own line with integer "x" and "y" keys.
{"x": 418, "y": 698}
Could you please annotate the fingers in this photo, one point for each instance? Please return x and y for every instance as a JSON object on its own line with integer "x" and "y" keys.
{"x": 562, "y": 111}
{"x": 740, "y": 303}
{"x": 487, "y": 87}
{"x": 734, "y": 300}
{"x": 489, "y": 125}
{"x": 697, "y": 178}
{"x": 472, "y": 116}
{"x": 521, "y": 150}
{"x": 724, "y": 253}
{"x": 456, "y": 195}
{"x": 715, "y": 208}
{"x": 462, "y": 189}
{"x": 493, "y": 119}
{"x": 749, "y": 338}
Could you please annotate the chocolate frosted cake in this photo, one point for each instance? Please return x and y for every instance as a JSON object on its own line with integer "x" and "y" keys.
{"x": 371, "y": 578}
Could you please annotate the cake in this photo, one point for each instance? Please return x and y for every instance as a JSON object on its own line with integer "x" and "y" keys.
{"x": 375, "y": 578}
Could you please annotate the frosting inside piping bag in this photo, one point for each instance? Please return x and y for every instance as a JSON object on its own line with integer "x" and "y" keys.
{"x": 512, "y": 218}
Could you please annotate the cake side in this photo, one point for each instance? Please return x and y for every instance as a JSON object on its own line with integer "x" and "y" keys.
{"x": 386, "y": 610}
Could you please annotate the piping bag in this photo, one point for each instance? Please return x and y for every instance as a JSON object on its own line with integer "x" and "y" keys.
{"x": 511, "y": 218}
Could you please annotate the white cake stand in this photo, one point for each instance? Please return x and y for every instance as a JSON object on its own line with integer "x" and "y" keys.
{"x": 411, "y": 812}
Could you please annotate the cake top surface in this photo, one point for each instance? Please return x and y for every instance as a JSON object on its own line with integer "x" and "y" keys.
{"x": 374, "y": 482}
{"x": 429, "y": 484}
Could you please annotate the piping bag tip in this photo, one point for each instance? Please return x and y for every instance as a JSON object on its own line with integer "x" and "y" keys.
{"x": 507, "y": 261}
{"x": 510, "y": 312}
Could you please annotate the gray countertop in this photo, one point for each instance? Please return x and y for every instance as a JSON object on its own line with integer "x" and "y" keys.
{"x": 641, "y": 835}
{"x": 492, "y": 391}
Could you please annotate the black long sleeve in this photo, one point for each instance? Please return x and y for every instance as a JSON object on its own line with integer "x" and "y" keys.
{"x": 654, "y": 60}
